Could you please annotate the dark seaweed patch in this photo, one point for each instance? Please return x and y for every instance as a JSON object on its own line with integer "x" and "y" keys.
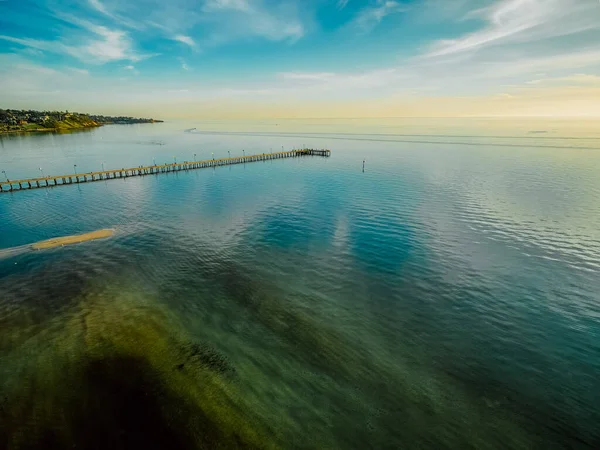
{"x": 206, "y": 357}
{"x": 118, "y": 402}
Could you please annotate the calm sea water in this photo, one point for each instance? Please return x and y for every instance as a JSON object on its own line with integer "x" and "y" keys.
{"x": 447, "y": 297}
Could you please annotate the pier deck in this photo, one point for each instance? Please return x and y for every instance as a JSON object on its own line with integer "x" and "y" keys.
{"x": 63, "y": 180}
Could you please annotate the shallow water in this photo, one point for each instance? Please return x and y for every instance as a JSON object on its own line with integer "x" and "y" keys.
{"x": 447, "y": 297}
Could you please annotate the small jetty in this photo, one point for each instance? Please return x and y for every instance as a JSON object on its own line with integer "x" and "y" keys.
{"x": 63, "y": 180}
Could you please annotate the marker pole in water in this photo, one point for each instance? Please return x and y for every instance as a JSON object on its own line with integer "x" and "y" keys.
{"x": 363, "y": 165}
{"x": 4, "y": 172}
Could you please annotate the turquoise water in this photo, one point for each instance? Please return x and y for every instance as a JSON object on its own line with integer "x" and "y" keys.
{"x": 447, "y": 297}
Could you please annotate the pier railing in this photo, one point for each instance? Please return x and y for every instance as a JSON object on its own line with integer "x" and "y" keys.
{"x": 63, "y": 180}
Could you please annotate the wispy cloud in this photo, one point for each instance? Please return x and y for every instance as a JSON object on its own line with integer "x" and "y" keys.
{"x": 112, "y": 45}
{"x": 23, "y": 79}
{"x": 506, "y": 50}
{"x": 340, "y": 81}
{"x": 79, "y": 71}
{"x": 221, "y": 21}
{"x": 36, "y": 69}
{"x": 32, "y": 52}
{"x": 236, "y": 5}
{"x": 185, "y": 39}
{"x": 117, "y": 18}
{"x": 369, "y": 17}
{"x": 308, "y": 76}
{"x": 577, "y": 79}
{"x": 131, "y": 69}
{"x": 100, "y": 44}
{"x": 99, "y": 6}
{"x": 527, "y": 64}
{"x": 27, "y": 42}
{"x": 521, "y": 20}
{"x": 184, "y": 65}
{"x": 232, "y": 19}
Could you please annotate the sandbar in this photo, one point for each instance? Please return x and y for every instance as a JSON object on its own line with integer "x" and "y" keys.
{"x": 75, "y": 239}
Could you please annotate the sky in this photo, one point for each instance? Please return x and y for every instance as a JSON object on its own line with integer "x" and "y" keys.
{"x": 254, "y": 59}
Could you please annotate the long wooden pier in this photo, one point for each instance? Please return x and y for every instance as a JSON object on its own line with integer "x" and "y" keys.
{"x": 63, "y": 180}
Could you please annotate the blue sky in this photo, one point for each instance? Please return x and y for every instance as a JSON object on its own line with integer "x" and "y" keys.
{"x": 302, "y": 58}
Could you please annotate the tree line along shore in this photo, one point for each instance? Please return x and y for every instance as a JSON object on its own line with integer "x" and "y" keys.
{"x": 13, "y": 120}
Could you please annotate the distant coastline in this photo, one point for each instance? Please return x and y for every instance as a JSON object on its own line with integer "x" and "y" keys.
{"x": 22, "y": 121}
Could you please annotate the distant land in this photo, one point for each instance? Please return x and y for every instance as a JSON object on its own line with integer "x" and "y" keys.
{"x": 13, "y": 120}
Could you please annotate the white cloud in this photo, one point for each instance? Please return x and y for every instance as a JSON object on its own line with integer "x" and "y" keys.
{"x": 184, "y": 65}
{"x": 221, "y": 21}
{"x": 101, "y": 7}
{"x": 238, "y": 5}
{"x": 371, "y": 16}
{"x": 33, "y": 52}
{"x": 240, "y": 19}
{"x": 24, "y": 79}
{"x": 503, "y": 67}
{"x": 467, "y": 75}
{"x": 79, "y": 71}
{"x": 112, "y": 46}
{"x": 522, "y": 20}
{"x": 185, "y": 39}
{"x": 31, "y": 43}
{"x": 581, "y": 78}
{"x": 131, "y": 69}
{"x": 40, "y": 70}
{"x": 304, "y": 76}
{"x": 96, "y": 4}
{"x": 577, "y": 79}
{"x": 340, "y": 82}
{"x": 101, "y": 44}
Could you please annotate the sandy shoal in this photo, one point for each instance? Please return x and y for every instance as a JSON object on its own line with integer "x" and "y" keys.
{"x": 75, "y": 239}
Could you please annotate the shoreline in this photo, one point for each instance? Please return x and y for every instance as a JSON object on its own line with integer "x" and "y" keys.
{"x": 59, "y": 129}
{"x": 47, "y": 130}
